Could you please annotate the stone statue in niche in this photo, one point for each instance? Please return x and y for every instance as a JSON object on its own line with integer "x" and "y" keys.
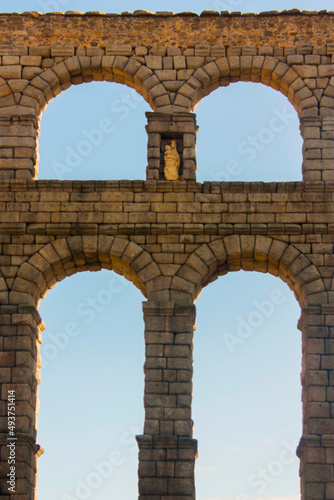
{"x": 172, "y": 162}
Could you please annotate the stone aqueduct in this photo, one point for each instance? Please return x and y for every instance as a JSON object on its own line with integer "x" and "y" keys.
{"x": 169, "y": 238}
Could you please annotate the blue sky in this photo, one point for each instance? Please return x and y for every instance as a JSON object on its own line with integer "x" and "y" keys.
{"x": 247, "y": 349}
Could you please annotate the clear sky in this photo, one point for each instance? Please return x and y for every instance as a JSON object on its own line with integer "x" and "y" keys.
{"x": 247, "y": 349}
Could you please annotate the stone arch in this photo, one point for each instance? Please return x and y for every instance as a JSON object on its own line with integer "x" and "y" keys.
{"x": 267, "y": 70}
{"x": 167, "y": 91}
{"x": 251, "y": 253}
{"x": 161, "y": 95}
{"x": 25, "y": 99}
{"x": 74, "y": 70}
{"x": 66, "y": 256}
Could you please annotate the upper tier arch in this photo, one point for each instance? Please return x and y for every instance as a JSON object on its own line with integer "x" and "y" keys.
{"x": 75, "y": 70}
{"x": 164, "y": 52}
{"x": 264, "y": 69}
{"x": 172, "y": 61}
{"x": 177, "y": 89}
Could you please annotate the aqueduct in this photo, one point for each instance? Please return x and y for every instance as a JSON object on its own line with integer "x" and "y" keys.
{"x": 170, "y": 238}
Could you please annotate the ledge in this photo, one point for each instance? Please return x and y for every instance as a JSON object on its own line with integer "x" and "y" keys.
{"x": 89, "y": 186}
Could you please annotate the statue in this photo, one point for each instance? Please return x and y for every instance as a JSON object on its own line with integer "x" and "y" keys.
{"x": 172, "y": 162}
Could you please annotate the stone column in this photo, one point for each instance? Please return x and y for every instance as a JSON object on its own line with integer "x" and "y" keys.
{"x": 21, "y": 328}
{"x": 167, "y": 451}
{"x": 18, "y": 145}
{"x": 162, "y": 128}
{"x": 318, "y": 148}
{"x": 316, "y": 448}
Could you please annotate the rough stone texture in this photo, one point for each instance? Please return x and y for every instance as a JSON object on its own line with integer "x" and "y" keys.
{"x": 256, "y": 30}
{"x": 169, "y": 238}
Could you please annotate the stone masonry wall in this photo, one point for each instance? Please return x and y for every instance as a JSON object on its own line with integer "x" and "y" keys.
{"x": 170, "y": 238}
{"x": 181, "y": 29}
{"x": 42, "y": 55}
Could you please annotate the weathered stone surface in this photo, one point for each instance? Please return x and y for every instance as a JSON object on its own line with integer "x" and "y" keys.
{"x": 170, "y": 238}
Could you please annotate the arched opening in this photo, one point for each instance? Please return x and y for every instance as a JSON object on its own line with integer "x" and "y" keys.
{"x": 265, "y": 255}
{"x": 67, "y": 256}
{"x": 248, "y": 133}
{"x": 102, "y": 134}
{"x": 92, "y": 386}
{"x": 247, "y": 394}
